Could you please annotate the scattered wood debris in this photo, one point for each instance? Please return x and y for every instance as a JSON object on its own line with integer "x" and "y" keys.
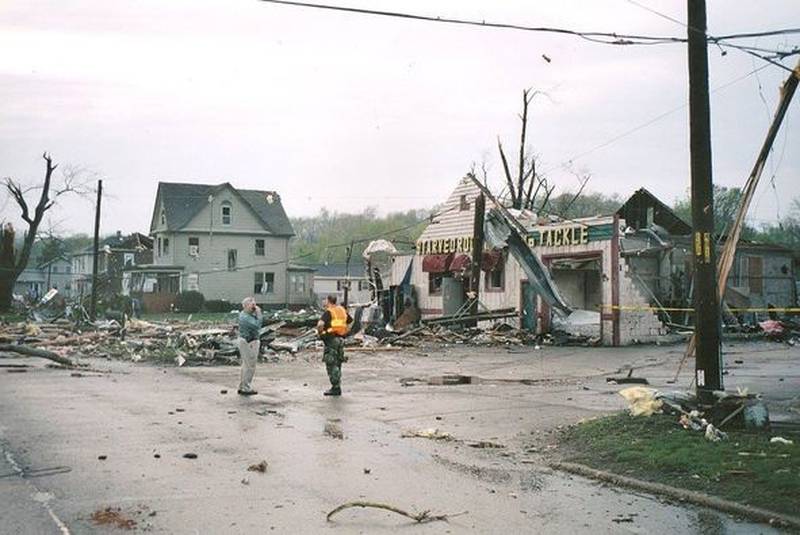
{"x": 333, "y": 430}
{"x": 421, "y": 517}
{"x": 258, "y": 467}
{"x": 432, "y": 434}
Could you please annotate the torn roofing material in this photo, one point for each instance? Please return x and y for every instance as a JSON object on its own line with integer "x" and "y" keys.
{"x": 499, "y": 233}
{"x": 501, "y": 229}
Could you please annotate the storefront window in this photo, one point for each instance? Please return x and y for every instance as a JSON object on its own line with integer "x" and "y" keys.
{"x": 494, "y": 280}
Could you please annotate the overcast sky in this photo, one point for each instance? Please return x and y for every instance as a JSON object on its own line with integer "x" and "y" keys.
{"x": 346, "y": 111}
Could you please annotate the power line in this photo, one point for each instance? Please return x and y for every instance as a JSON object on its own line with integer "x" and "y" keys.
{"x": 608, "y": 38}
{"x": 719, "y": 40}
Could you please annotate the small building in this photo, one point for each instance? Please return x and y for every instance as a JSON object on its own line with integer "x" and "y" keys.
{"x": 332, "y": 278}
{"x": 30, "y": 283}
{"x": 34, "y": 282}
{"x": 115, "y": 254}
{"x": 225, "y": 243}
{"x": 624, "y": 270}
{"x": 58, "y": 274}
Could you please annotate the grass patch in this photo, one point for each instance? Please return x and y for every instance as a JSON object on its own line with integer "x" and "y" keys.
{"x": 657, "y": 449}
{"x": 13, "y": 317}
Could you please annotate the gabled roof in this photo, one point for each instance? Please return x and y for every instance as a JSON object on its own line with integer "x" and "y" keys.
{"x": 634, "y": 212}
{"x": 183, "y": 201}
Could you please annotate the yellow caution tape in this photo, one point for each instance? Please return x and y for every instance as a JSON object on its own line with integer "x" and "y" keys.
{"x": 789, "y": 310}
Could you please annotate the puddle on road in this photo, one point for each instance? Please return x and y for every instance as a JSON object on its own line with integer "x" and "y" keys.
{"x": 458, "y": 379}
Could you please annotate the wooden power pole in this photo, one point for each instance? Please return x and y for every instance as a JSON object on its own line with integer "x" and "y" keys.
{"x": 708, "y": 369}
{"x": 93, "y": 306}
{"x": 477, "y": 252}
{"x": 346, "y": 288}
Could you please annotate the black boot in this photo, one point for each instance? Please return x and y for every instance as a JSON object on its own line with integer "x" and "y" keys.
{"x": 334, "y": 391}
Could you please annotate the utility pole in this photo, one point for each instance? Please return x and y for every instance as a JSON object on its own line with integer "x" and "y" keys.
{"x": 347, "y": 275}
{"x": 477, "y": 253}
{"x": 708, "y": 369}
{"x": 93, "y": 306}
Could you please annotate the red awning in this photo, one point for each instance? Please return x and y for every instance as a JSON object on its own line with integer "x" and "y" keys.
{"x": 460, "y": 262}
{"x": 492, "y": 260}
{"x": 436, "y": 263}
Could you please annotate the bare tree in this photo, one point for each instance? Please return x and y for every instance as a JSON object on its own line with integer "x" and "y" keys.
{"x": 525, "y": 189}
{"x": 11, "y": 264}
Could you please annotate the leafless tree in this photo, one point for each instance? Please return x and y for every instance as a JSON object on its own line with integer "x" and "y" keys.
{"x": 528, "y": 186}
{"x": 11, "y": 264}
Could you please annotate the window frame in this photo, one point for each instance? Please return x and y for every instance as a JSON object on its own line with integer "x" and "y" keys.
{"x": 263, "y": 282}
{"x": 263, "y": 248}
{"x": 489, "y": 283}
{"x": 229, "y": 215}
{"x": 234, "y": 256}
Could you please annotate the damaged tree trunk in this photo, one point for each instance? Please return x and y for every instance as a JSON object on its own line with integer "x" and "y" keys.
{"x": 7, "y": 268}
{"x": 36, "y": 352}
{"x": 10, "y": 268}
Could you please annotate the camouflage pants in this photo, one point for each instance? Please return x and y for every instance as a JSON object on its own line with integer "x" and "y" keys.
{"x": 333, "y": 356}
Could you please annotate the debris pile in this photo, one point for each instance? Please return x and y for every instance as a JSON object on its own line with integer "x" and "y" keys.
{"x": 740, "y": 409}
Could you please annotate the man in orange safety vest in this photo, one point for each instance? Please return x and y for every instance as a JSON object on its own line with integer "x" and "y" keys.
{"x": 332, "y": 327}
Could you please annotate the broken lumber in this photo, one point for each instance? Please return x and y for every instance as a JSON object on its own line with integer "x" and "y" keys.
{"x": 36, "y": 352}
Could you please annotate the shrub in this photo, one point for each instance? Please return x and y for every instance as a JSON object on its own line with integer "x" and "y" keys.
{"x": 189, "y": 302}
{"x": 218, "y": 305}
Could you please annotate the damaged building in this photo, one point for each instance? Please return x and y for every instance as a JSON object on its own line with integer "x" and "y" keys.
{"x": 626, "y": 276}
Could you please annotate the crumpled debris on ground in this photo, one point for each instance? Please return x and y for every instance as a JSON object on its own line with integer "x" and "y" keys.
{"x": 642, "y": 401}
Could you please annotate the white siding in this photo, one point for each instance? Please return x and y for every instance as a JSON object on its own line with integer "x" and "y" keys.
{"x": 210, "y": 217}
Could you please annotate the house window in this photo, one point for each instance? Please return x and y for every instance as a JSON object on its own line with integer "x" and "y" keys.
{"x": 298, "y": 283}
{"x": 363, "y": 285}
{"x": 226, "y": 213}
{"x": 55, "y": 269}
{"x": 159, "y": 246}
{"x": 435, "y": 283}
{"x": 340, "y": 285}
{"x": 231, "y": 259}
{"x": 494, "y": 280}
{"x": 194, "y": 246}
{"x": 463, "y": 204}
{"x": 163, "y": 217}
{"x": 127, "y": 259}
{"x": 166, "y": 245}
{"x": 259, "y": 247}
{"x": 264, "y": 283}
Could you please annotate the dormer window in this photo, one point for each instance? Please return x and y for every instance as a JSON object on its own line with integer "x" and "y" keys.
{"x": 226, "y": 213}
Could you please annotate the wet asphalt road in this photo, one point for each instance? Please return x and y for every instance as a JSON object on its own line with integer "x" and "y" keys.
{"x": 55, "y": 426}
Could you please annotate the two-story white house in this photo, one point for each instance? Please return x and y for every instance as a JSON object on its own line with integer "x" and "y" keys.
{"x": 226, "y": 243}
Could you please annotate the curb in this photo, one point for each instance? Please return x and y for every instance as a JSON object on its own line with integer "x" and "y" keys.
{"x": 755, "y": 513}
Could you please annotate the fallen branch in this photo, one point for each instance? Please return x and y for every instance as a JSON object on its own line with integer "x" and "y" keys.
{"x": 36, "y": 352}
{"x": 420, "y": 518}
